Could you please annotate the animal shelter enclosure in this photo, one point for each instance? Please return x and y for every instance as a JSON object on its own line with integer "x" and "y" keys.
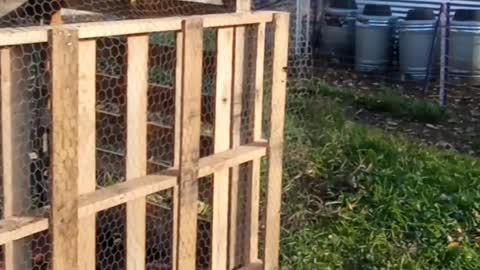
{"x": 143, "y": 143}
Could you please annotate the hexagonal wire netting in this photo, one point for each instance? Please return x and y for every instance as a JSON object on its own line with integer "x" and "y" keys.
{"x": 32, "y": 125}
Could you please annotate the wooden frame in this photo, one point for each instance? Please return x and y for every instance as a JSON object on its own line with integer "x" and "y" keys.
{"x": 75, "y": 197}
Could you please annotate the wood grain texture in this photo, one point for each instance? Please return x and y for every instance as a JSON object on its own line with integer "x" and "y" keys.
{"x": 14, "y": 228}
{"x": 275, "y": 149}
{"x": 136, "y": 160}
{"x": 178, "y": 131}
{"x": 238, "y": 86}
{"x": 16, "y": 180}
{"x": 192, "y": 58}
{"x": 86, "y": 151}
{"x": 253, "y": 189}
{"x": 117, "y": 194}
{"x": 65, "y": 178}
{"x": 225, "y": 39}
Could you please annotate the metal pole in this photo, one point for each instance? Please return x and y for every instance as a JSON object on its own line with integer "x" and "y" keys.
{"x": 444, "y": 18}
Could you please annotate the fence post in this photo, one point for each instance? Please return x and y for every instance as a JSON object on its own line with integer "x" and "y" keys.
{"x": 275, "y": 149}
{"x": 86, "y": 148}
{"x": 223, "y": 100}
{"x": 192, "y": 58}
{"x": 65, "y": 124}
{"x": 16, "y": 178}
{"x": 137, "y": 89}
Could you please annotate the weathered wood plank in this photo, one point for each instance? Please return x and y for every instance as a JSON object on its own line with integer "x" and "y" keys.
{"x": 178, "y": 130}
{"x": 16, "y": 180}
{"x": 117, "y": 194}
{"x": 14, "y": 228}
{"x": 225, "y": 39}
{"x": 65, "y": 178}
{"x": 86, "y": 151}
{"x": 275, "y": 149}
{"x": 253, "y": 189}
{"x": 190, "y": 142}
{"x": 136, "y": 160}
{"x": 238, "y": 86}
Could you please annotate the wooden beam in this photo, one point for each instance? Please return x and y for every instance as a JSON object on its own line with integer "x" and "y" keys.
{"x": 190, "y": 142}
{"x": 238, "y": 87}
{"x": 117, "y": 194}
{"x": 90, "y": 30}
{"x": 275, "y": 149}
{"x": 65, "y": 124}
{"x": 15, "y": 228}
{"x": 136, "y": 160}
{"x": 86, "y": 151}
{"x": 253, "y": 189}
{"x": 231, "y": 158}
{"x": 223, "y": 100}
{"x": 16, "y": 178}
{"x": 255, "y": 265}
{"x": 177, "y": 143}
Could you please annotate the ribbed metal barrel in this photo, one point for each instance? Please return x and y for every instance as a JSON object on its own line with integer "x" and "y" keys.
{"x": 373, "y": 39}
{"x": 416, "y": 35}
{"x": 338, "y": 33}
{"x": 464, "y": 55}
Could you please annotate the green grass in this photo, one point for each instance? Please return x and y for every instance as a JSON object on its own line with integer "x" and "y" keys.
{"x": 358, "y": 198}
{"x": 386, "y": 100}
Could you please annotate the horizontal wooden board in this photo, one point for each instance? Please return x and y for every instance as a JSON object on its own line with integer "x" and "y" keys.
{"x": 14, "y": 228}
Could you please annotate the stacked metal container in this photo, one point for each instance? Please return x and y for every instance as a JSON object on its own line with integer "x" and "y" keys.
{"x": 416, "y": 43}
{"x": 374, "y": 38}
{"x": 338, "y": 29}
{"x": 464, "y": 55}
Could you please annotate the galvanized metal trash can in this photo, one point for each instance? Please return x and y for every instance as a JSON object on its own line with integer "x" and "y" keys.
{"x": 416, "y": 34}
{"x": 374, "y": 39}
{"x": 464, "y": 55}
{"x": 338, "y": 30}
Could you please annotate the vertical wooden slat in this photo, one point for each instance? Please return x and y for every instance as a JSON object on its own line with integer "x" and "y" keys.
{"x": 238, "y": 85}
{"x": 275, "y": 149}
{"x": 136, "y": 162}
{"x": 190, "y": 142}
{"x": 253, "y": 189}
{"x": 86, "y": 144}
{"x": 225, "y": 38}
{"x": 177, "y": 142}
{"x": 64, "y": 217}
{"x": 16, "y": 180}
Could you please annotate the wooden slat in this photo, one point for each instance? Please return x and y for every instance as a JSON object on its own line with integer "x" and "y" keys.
{"x": 177, "y": 143}
{"x": 136, "y": 160}
{"x": 275, "y": 150}
{"x": 190, "y": 142}
{"x": 64, "y": 218}
{"x": 222, "y": 143}
{"x": 231, "y": 158}
{"x": 16, "y": 180}
{"x": 253, "y": 189}
{"x": 255, "y": 265}
{"x": 238, "y": 86}
{"x": 86, "y": 151}
{"x": 38, "y": 34}
{"x": 117, "y": 194}
{"x": 14, "y": 228}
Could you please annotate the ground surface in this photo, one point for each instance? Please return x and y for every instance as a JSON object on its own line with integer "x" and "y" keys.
{"x": 362, "y": 197}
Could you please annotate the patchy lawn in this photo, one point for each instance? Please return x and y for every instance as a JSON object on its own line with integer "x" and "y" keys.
{"x": 359, "y": 198}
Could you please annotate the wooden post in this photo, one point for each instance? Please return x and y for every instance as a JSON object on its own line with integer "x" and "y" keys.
{"x": 443, "y": 52}
{"x": 176, "y": 146}
{"x": 190, "y": 142}
{"x": 86, "y": 147}
{"x": 238, "y": 86}
{"x": 275, "y": 149}
{"x": 137, "y": 89}
{"x": 253, "y": 190}
{"x": 65, "y": 178}
{"x": 16, "y": 164}
{"x": 225, "y": 38}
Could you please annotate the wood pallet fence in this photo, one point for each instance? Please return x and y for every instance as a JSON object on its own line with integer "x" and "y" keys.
{"x": 75, "y": 199}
